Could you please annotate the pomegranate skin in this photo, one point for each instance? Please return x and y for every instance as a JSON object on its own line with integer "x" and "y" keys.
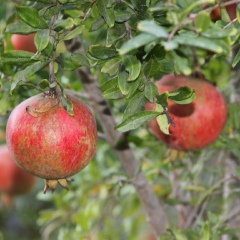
{"x": 199, "y": 123}
{"x": 53, "y": 144}
{"x": 13, "y": 180}
{"x": 24, "y": 42}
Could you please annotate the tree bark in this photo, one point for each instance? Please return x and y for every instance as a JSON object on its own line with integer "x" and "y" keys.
{"x": 153, "y": 206}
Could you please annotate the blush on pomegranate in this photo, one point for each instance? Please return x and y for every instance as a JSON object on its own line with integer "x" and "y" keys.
{"x": 13, "y": 180}
{"x": 197, "y": 124}
{"x": 45, "y": 140}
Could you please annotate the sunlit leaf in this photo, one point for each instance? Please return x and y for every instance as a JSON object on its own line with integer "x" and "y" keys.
{"x": 136, "y": 120}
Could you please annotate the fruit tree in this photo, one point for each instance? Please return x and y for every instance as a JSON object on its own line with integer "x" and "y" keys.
{"x": 136, "y": 103}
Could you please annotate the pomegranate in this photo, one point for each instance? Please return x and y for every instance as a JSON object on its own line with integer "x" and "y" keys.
{"x": 45, "y": 140}
{"x": 13, "y": 180}
{"x": 24, "y": 42}
{"x": 197, "y": 124}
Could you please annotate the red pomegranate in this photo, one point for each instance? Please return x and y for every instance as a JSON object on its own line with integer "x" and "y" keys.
{"x": 13, "y": 180}
{"x": 197, "y": 124}
{"x": 24, "y": 42}
{"x": 45, "y": 140}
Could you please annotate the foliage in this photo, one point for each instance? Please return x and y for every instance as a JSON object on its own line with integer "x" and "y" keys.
{"x": 128, "y": 45}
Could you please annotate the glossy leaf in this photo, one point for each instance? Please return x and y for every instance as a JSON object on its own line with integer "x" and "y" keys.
{"x": 75, "y": 32}
{"x": 136, "y": 120}
{"x": 151, "y": 91}
{"x": 136, "y": 42}
{"x": 107, "y": 13}
{"x": 113, "y": 83}
{"x": 151, "y": 68}
{"x": 123, "y": 82}
{"x": 134, "y": 85}
{"x": 72, "y": 61}
{"x": 49, "y": 11}
{"x": 182, "y": 95}
{"x": 162, "y": 120}
{"x": 27, "y": 72}
{"x": 20, "y": 27}
{"x": 41, "y": 39}
{"x": 153, "y": 28}
{"x": 63, "y": 24}
{"x": 111, "y": 67}
{"x": 101, "y": 52}
{"x": 122, "y": 16}
{"x": 113, "y": 93}
{"x": 136, "y": 104}
{"x": 17, "y": 57}
{"x": 133, "y": 66}
{"x": 219, "y": 33}
{"x": 200, "y": 42}
{"x": 30, "y": 16}
{"x": 96, "y": 24}
{"x": 162, "y": 99}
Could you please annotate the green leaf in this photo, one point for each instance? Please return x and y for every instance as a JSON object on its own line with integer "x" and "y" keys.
{"x": 203, "y": 21}
{"x": 136, "y": 104}
{"x": 162, "y": 99}
{"x": 133, "y": 66}
{"x": 200, "y": 42}
{"x": 75, "y": 32}
{"x": 96, "y": 24}
{"x": 17, "y": 57}
{"x": 111, "y": 67}
{"x": 101, "y": 52}
{"x": 113, "y": 83}
{"x": 236, "y": 59}
{"x": 31, "y": 17}
{"x": 217, "y": 32}
{"x": 182, "y": 64}
{"x": 162, "y": 120}
{"x": 41, "y": 39}
{"x": 122, "y": 16}
{"x": 44, "y": 84}
{"x": 134, "y": 85}
{"x": 238, "y": 12}
{"x": 49, "y": 11}
{"x": 151, "y": 68}
{"x": 123, "y": 82}
{"x": 63, "y": 24}
{"x": 112, "y": 93}
{"x": 136, "y": 120}
{"x": 166, "y": 66}
{"x": 152, "y": 28}
{"x": 20, "y": 27}
{"x": 182, "y": 95}
{"x": 107, "y": 13}
{"x": 26, "y": 73}
{"x": 206, "y": 233}
{"x": 67, "y": 104}
{"x": 72, "y": 61}
{"x": 136, "y": 42}
{"x": 151, "y": 91}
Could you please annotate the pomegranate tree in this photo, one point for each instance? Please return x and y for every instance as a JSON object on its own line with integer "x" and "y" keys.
{"x": 45, "y": 140}
{"x": 196, "y": 124}
{"x": 13, "y": 180}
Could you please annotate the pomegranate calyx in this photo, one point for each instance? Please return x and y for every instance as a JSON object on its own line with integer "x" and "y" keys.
{"x": 36, "y": 112}
{"x": 52, "y": 184}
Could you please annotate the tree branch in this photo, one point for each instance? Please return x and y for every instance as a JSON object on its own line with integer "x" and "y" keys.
{"x": 154, "y": 209}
